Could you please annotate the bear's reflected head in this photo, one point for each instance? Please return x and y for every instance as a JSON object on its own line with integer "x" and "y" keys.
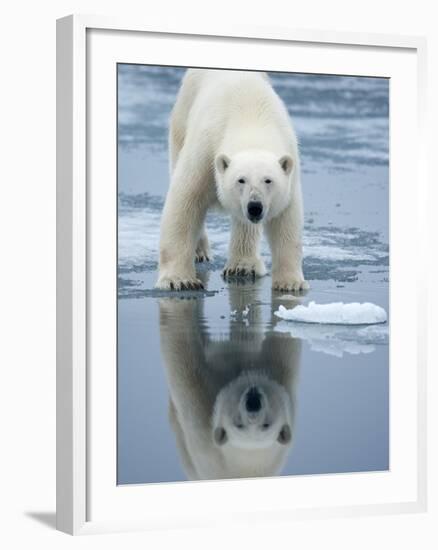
{"x": 253, "y": 411}
{"x": 253, "y": 185}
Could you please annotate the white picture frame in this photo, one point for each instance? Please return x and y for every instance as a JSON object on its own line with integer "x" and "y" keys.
{"x": 81, "y": 486}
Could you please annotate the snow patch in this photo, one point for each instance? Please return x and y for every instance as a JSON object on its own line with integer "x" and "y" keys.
{"x": 336, "y": 313}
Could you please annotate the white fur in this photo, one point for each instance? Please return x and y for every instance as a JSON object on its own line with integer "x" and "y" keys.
{"x": 228, "y": 126}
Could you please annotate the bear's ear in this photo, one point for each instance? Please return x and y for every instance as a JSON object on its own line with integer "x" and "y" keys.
{"x": 220, "y": 436}
{"x": 286, "y": 163}
{"x": 285, "y": 435}
{"x": 222, "y": 162}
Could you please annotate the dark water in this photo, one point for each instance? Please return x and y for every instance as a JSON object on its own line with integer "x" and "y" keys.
{"x": 175, "y": 355}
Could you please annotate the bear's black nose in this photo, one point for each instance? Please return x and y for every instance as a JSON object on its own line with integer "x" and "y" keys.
{"x": 255, "y": 211}
{"x": 253, "y": 400}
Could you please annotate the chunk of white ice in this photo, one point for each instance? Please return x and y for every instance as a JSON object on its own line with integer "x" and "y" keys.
{"x": 336, "y": 313}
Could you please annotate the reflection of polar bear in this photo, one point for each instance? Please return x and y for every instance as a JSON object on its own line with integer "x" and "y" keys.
{"x": 232, "y": 144}
{"x": 231, "y": 401}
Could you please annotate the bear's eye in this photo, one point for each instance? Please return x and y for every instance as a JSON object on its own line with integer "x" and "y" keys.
{"x": 265, "y": 426}
{"x": 267, "y": 180}
{"x": 240, "y": 426}
{"x": 241, "y": 180}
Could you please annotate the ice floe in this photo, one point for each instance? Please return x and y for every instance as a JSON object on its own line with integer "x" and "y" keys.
{"x": 336, "y": 313}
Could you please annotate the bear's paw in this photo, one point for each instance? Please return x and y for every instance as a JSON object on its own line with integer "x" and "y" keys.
{"x": 203, "y": 253}
{"x": 179, "y": 283}
{"x": 290, "y": 284}
{"x": 245, "y": 267}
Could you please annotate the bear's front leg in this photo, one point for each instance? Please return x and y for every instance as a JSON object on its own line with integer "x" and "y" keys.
{"x": 181, "y": 226}
{"x": 284, "y": 236}
{"x": 244, "y": 258}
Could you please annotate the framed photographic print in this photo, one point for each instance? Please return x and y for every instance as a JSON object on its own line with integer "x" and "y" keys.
{"x": 240, "y": 292}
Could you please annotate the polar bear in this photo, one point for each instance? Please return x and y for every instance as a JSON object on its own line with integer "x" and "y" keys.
{"x": 232, "y": 400}
{"x": 232, "y": 146}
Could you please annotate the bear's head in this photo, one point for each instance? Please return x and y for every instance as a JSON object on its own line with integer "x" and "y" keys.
{"x": 254, "y": 185}
{"x": 253, "y": 412}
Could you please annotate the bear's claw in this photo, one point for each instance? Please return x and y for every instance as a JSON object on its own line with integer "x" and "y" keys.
{"x": 248, "y": 268}
{"x": 179, "y": 284}
{"x": 297, "y": 285}
{"x": 201, "y": 258}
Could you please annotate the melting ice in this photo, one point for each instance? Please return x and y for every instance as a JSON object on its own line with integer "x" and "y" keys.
{"x": 336, "y": 313}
